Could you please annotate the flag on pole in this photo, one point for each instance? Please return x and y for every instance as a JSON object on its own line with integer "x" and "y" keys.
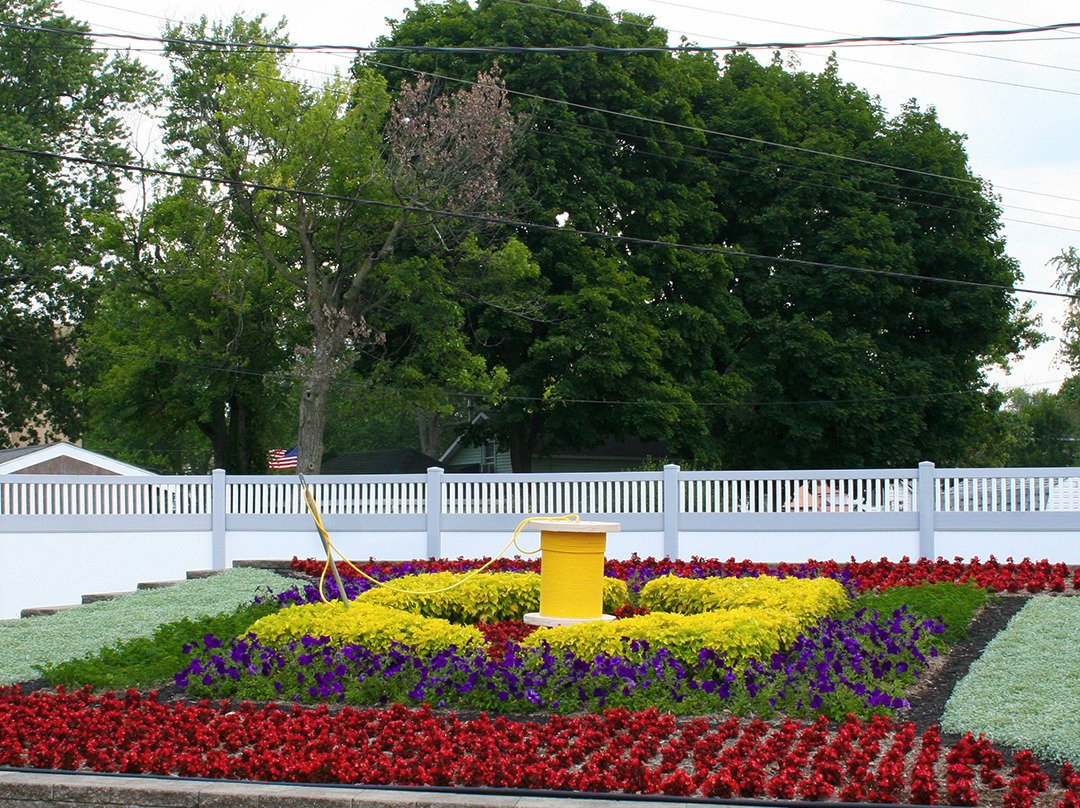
{"x": 282, "y": 459}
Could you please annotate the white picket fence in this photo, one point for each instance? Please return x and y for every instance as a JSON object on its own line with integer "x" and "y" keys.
{"x": 109, "y": 533}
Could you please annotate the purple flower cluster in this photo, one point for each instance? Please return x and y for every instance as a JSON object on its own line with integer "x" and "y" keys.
{"x": 857, "y": 664}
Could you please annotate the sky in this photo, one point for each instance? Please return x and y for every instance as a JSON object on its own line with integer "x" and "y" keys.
{"x": 1017, "y": 99}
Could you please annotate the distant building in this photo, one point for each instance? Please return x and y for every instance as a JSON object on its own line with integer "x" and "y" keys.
{"x": 386, "y": 461}
{"x": 614, "y": 455}
{"x": 63, "y": 458}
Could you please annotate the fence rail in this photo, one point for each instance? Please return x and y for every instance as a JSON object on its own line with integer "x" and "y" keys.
{"x": 107, "y": 533}
{"x": 719, "y": 492}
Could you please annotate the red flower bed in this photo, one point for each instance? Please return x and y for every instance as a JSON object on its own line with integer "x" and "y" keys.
{"x": 1007, "y": 576}
{"x": 617, "y": 751}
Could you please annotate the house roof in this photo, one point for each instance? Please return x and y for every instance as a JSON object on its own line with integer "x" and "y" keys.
{"x": 13, "y": 461}
{"x": 387, "y": 461}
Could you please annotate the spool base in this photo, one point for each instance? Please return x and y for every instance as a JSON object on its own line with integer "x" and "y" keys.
{"x": 537, "y": 619}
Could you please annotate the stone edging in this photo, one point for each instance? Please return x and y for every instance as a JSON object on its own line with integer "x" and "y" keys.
{"x": 48, "y": 790}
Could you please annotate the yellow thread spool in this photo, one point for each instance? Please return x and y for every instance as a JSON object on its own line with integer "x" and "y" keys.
{"x": 571, "y": 572}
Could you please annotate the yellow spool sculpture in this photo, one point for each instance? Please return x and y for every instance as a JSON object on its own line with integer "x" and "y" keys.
{"x": 571, "y": 572}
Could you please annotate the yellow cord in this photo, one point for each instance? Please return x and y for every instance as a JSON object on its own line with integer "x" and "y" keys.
{"x": 314, "y": 510}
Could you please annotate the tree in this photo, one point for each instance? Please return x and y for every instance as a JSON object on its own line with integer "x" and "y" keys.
{"x": 188, "y": 342}
{"x": 846, "y": 369}
{"x": 648, "y": 326}
{"x": 233, "y": 113}
{"x": 56, "y": 95}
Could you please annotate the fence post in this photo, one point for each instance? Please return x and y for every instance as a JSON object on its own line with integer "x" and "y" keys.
{"x": 671, "y": 511}
{"x": 926, "y": 510}
{"x": 434, "y": 512}
{"x": 217, "y": 519}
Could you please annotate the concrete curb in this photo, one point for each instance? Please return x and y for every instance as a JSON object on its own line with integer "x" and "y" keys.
{"x": 47, "y": 790}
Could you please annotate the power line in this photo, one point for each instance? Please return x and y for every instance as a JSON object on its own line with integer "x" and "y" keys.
{"x": 523, "y": 225}
{"x": 964, "y": 77}
{"x": 586, "y": 107}
{"x": 284, "y": 376}
{"x": 702, "y": 149}
{"x": 509, "y": 49}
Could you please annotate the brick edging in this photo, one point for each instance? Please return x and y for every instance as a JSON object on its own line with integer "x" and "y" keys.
{"x": 71, "y": 790}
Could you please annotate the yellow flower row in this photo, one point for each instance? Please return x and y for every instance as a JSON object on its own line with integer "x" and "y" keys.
{"x": 741, "y": 618}
{"x": 805, "y": 598}
{"x": 373, "y": 626}
{"x": 484, "y": 598}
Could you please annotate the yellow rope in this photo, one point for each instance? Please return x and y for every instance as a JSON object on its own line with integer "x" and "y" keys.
{"x": 314, "y": 510}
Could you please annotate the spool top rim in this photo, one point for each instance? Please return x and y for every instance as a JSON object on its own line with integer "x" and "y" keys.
{"x": 553, "y": 526}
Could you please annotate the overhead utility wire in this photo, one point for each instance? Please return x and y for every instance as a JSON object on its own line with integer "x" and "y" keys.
{"x": 586, "y": 107}
{"x": 703, "y": 149}
{"x": 337, "y": 382}
{"x": 620, "y": 20}
{"x": 730, "y": 155}
{"x": 963, "y": 77}
{"x": 552, "y": 228}
{"x": 705, "y": 131}
{"x": 718, "y": 133}
{"x": 482, "y": 49}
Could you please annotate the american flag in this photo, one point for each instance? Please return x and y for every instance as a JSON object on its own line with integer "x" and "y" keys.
{"x": 282, "y": 459}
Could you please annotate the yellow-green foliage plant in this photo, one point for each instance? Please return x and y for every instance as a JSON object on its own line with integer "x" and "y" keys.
{"x": 368, "y": 624}
{"x": 740, "y": 618}
{"x": 483, "y": 598}
{"x": 738, "y": 634}
{"x": 807, "y": 599}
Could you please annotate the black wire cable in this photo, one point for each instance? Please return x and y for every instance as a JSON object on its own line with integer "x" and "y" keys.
{"x": 285, "y": 376}
{"x": 586, "y": 107}
{"x": 484, "y": 49}
{"x": 524, "y": 225}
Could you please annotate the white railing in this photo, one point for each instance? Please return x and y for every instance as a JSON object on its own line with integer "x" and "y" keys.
{"x": 530, "y": 494}
{"x": 104, "y": 496}
{"x": 797, "y": 492}
{"x": 717, "y": 492}
{"x": 275, "y": 495}
{"x": 1007, "y": 490}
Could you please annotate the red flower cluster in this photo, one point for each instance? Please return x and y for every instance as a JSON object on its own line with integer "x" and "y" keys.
{"x": 1010, "y": 576}
{"x": 499, "y": 634}
{"x": 617, "y": 751}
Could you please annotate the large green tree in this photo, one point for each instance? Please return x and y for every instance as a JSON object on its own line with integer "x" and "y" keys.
{"x": 189, "y": 346}
{"x": 235, "y": 114}
{"x": 57, "y": 94}
{"x": 847, "y": 369}
{"x": 748, "y": 362}
{"x": 644, "y": 325}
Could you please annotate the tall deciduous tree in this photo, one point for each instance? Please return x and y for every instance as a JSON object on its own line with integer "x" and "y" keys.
{"x": 848, "y": 369}
{"x": 234, "y": 113}
{"x": 56, "y": 95}
{"x": 751, "y": 363}
{"x": 189, "y": 342}
{"x": 644, "y": 325}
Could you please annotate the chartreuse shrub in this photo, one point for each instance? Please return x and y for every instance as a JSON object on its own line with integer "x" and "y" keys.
{"x": 740, "y": 619}
{"x": 807, "y": 599}
{"x": 483, "y": 598}
{"x": 737, "y": 634}
{"x": 368, "y": 624}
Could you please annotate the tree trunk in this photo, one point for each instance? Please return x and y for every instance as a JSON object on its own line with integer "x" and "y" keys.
{"x": 523, "y": 443}
{"x": 430, "y": 425}
{"x": 313, "y": 401}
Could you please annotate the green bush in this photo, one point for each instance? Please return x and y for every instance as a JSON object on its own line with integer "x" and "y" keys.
{"x": 148, "y": 661}
{"x": 954, "y": 604}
